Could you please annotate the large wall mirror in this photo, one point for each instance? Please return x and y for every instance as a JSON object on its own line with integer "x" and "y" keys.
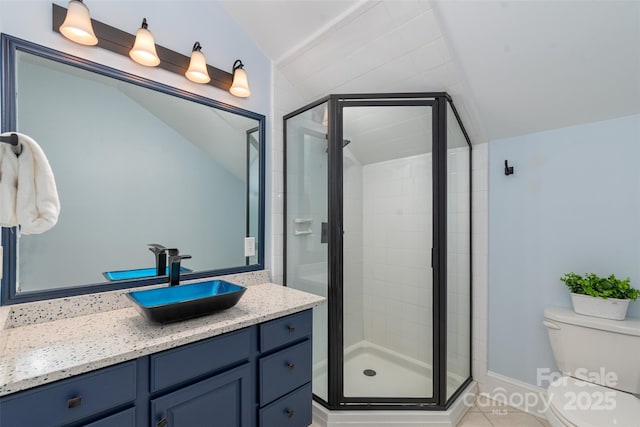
{"x": 135, "y": 162}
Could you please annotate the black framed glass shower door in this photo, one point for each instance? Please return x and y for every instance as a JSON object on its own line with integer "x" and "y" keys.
{"x": 386, "y": 351}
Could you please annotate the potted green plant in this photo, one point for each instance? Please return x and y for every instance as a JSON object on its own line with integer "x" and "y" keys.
{"x": 606, "y": 297}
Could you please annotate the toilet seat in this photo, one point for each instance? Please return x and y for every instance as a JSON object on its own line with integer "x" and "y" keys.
{"x": 573, "y": 402}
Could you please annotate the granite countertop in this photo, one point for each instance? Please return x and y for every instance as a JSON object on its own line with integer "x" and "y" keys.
{"x": 39, "y": 353}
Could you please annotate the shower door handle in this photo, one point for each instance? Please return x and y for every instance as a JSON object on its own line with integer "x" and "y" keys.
{"x": 324, "y": 232}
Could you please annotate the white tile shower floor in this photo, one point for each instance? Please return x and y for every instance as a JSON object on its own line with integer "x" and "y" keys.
{"x": 393, "y": 377}
{"x": 396, "y": 375}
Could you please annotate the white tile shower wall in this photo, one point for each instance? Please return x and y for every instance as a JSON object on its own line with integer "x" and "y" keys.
{"x": 397, "y": 239}
{"x": 458, "y": 253}
{"x": 353, "y": 250}
{"x": 479, "y": 251}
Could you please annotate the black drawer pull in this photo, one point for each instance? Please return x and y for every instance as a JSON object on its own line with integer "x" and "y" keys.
{"x": 163, "y": 422}
{"x": 292, "y": 329}
{"x": 289, "y": 413}
{"x": 291, "y": 366}
{"x": 74, "y": 402}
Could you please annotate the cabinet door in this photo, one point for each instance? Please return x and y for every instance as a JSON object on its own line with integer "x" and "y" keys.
{"x": 224, "y": 400}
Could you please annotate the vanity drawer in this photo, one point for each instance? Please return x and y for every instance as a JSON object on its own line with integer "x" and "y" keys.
{"x": 121, "y": 419}
{"x": 279, "y": 332}
{"x": 284, "y": 371}
{"x": 293, "y": 410}
{"x": 72, "y": 399}
{"x": 196, "y": 360}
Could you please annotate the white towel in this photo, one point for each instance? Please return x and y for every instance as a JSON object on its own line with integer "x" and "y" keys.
{"x": 8, "y": 186}
{"x": 37, "y": 206}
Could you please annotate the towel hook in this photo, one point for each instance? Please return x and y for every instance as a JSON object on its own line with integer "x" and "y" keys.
{"x": 12, "y": 139}
{"x": 508, "y": 170}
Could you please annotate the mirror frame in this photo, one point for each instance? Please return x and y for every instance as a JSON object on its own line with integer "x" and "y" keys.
{"x": 8, "y": 120}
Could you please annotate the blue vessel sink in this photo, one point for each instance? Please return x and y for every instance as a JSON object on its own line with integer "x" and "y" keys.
{"x": 137, "y": 273}
{"x": 173, "y": 303}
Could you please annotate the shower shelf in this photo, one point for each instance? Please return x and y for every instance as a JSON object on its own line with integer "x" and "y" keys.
{"x": 302, "y": 226}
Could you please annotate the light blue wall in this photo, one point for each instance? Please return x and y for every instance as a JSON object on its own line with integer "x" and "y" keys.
{"x": 573, "y": 204}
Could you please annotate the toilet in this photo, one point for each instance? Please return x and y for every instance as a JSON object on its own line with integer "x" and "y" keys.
{"x": 600, "y": 363}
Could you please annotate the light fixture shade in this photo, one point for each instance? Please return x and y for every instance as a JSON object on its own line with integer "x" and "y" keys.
{"x": 144, "y": 48}
{"x": 197, "y": 71}
{"x": 240, "y": 85}
{"x": 77, "y": 24}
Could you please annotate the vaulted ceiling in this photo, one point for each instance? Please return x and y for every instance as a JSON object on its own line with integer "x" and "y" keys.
{"x": 512, "y": 67}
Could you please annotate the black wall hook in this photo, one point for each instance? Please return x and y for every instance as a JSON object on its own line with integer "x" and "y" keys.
{"x": 11, "y": 139}
{"x": 508, "y": 170}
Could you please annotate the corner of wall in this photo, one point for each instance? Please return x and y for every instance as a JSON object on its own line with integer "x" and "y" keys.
{"x": 479, "y": 251}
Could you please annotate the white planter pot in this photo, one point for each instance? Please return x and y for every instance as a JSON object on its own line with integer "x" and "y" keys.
{"x": 610, "y": 308}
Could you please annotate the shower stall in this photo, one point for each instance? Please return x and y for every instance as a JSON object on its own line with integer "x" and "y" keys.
{"x": 378, "y": 220}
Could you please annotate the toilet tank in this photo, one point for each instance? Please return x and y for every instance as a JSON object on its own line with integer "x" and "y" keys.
{"x": 601, "y": 351}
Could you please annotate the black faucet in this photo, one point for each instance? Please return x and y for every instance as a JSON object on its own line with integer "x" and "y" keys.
{"x": 174, "y": 266}
{"x": 161, "y": 258}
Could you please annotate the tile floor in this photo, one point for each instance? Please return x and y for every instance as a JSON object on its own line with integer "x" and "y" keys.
{"x": 487, "y": 413}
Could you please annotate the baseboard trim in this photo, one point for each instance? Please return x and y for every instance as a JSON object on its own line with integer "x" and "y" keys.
{"x": 448, "y": 418}
{"x": 515, "y": 393}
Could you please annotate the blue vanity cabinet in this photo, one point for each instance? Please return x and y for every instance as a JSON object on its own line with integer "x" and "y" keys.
{"x": 284, "y": 372}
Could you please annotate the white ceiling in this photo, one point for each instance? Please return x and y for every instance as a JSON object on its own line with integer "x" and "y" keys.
{"x": 278, "y": 27}
{"x": 541, "y": 65}
{"x": 512, "y": 67}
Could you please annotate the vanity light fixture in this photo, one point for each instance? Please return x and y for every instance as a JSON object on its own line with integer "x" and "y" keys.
{"x": 240, "y": 85}
{"x": 197, "y": 71}
{"x": 77, "y": 24}
{"x": 144, "y": 48}
{"x": 146, "y": 52}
